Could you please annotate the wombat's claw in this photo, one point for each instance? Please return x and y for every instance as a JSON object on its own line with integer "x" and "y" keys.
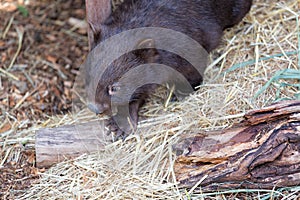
{"x": 120, "y": 135}
{"x": 115, "y": 131}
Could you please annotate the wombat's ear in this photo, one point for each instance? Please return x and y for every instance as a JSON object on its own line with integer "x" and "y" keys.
{"x": 151, "y": 51}
{"x": 146, "y": 43}
{"x": 97, "y": 11}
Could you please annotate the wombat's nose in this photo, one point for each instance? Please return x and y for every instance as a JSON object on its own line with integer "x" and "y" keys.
{"x": 94, "y": 108}
{"x": 99, "y": 108}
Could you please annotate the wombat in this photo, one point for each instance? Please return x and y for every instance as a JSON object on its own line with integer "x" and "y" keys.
{"x": 202, "y": 20}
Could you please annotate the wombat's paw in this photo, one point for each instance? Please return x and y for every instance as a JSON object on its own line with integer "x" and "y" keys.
{"x": 116, "y": 132}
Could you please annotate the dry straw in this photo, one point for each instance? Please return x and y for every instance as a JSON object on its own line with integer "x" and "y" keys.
{"x": 253, "y": 54}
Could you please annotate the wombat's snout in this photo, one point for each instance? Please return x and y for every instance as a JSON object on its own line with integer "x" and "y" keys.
{"x": 98, "y": 109}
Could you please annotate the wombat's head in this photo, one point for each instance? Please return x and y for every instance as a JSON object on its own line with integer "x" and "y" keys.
{"x": 101, "y": 90}
{"x": 111, "y": 84}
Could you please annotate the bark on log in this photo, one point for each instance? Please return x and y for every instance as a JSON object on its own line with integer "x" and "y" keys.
{"x": 54, "y": 145}
{"x": 261, "y": 152}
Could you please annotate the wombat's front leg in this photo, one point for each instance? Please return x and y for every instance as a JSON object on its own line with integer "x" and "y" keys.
{"x": 121, "y": 126}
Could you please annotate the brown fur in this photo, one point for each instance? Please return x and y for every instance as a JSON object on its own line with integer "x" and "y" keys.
{"x": 202, "y": 20}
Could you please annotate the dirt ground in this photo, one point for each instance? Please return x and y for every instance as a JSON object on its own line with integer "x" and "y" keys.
{"x": 40, "y": 53}
{"x": 42, "y": 45}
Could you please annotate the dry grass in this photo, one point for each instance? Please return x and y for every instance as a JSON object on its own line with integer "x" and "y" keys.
{"x": 141, "y": 167}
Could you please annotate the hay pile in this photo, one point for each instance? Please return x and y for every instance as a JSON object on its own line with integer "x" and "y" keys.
{"x": 141, "y": 167}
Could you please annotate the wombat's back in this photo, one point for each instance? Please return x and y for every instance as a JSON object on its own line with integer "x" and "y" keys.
{"x": 203, "y": 20}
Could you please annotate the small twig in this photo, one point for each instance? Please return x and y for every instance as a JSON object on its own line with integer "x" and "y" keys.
{"x": 21, "y": 101}
{"x": 81, "y": 98}
{"x": 239, "y": 115}
{"x": 20, "y": 32}
{"x": 6, "y": 156}
{"x": 197, "y": 184}
{"x": 169, "y": 96}
{"x": 28, "y": 94}
{"x": 56, "y": 67}
{"x": 209, "y": 67}
{"x": 9, "y": 74}
{"x": 28, "y": 78}
{"x": 8, "y": 27}
{"x": 298, "y": 37}
{"x": 74, "y": 34}
{"x": 257, "y": 50}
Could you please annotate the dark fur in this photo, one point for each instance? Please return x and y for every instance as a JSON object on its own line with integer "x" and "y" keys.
{"x": 202, "y": 20}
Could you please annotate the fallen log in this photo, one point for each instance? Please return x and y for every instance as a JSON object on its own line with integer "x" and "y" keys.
{"x": 53, "y": 145}
{"x": 263, "y": 151}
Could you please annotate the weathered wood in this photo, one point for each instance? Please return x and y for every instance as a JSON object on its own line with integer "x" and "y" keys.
{"x": 54, "y": 145}
{"x": 261, "y": 152}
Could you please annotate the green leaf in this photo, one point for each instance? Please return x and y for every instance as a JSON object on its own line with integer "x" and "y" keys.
{"x": 251, "y": 62}
{"x": 23, "y": 10}
{"x": 283, "y": 75}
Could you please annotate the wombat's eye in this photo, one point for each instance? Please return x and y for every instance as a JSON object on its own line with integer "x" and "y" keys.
{"x": 113, "y": 89}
